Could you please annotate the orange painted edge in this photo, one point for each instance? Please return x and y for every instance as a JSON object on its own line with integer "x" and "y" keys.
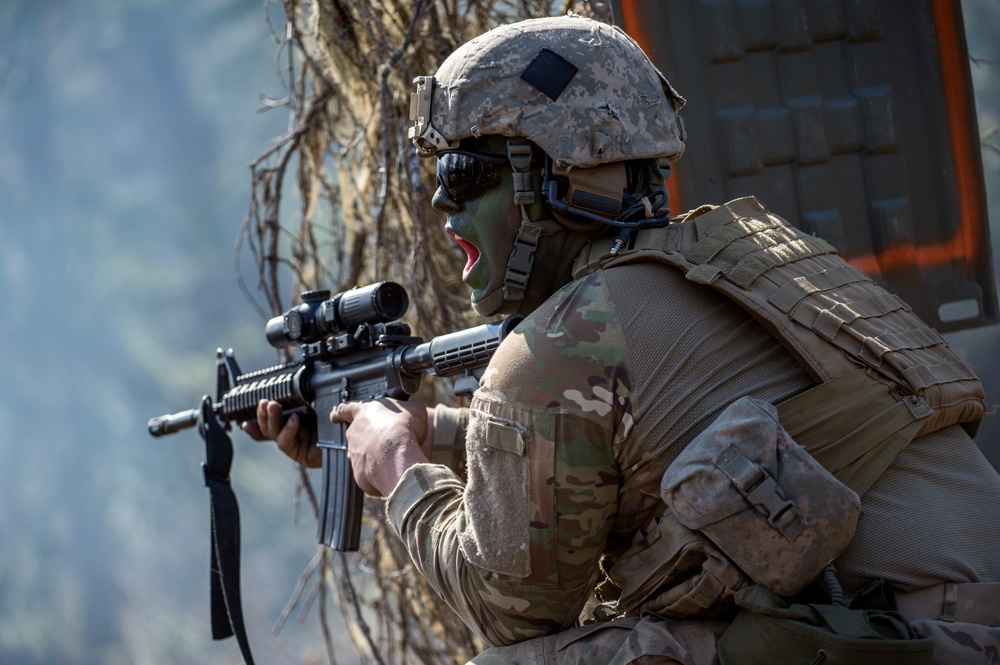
{"x": 964, "y": 149}
{"x": 964, "y": 245}
{"x": 637, "y": 30}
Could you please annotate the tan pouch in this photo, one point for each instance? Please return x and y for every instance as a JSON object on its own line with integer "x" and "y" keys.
{"x": 676, "y": 573}
{"x": 761, "y": 498}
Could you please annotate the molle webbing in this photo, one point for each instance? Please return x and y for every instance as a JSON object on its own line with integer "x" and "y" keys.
{"x": 831, "y": 316}
{"x": 747, "y": 247}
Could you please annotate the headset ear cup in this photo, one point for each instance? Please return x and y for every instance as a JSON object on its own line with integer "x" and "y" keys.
{"x": 584, "y": 198}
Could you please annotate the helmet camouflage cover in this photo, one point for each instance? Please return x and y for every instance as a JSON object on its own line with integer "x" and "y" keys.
{"x": 582, "y": 90}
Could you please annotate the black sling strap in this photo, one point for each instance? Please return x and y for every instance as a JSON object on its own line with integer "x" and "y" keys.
{"x": 227, "y": 605}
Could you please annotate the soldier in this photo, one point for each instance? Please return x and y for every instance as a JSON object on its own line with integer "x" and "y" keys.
{"x": 591, "y": 524}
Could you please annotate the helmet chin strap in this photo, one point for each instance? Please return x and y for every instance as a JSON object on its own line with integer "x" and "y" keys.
{"x": 507, "y": 298}
{"x": 521, "y": 259}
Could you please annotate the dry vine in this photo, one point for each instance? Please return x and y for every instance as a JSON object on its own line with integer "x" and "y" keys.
{"x": 341, "y": 200}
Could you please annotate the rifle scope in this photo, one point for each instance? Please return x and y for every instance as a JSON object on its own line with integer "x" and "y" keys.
{"x": 319, "y": 316}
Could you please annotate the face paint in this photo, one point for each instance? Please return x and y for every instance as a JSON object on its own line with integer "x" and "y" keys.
{"x": 476, "y": 190}
{"x": 484, "y": 226}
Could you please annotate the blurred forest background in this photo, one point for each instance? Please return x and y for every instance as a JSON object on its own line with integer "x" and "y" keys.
{"x": 126, "y": 128}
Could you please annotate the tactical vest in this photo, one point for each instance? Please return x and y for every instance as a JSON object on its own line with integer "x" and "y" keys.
{"x": 880, "y": 369}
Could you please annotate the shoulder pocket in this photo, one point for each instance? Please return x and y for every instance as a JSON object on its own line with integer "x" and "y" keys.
{"x": 497, "y": 497}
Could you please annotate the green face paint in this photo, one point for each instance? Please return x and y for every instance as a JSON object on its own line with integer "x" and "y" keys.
{"x": 485, "y": 227}
{"x": 476, "y": 190}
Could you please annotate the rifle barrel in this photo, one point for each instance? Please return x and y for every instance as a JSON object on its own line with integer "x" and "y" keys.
{"x": 173, "y": 422}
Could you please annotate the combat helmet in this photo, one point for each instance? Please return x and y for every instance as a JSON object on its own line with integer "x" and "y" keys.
{"x": 580, "y": 91}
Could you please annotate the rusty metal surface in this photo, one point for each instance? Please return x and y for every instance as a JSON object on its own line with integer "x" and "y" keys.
{"x": 851, "y": 118}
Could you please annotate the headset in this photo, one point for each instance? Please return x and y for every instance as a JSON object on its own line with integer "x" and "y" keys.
{"x": 588, "y": 198}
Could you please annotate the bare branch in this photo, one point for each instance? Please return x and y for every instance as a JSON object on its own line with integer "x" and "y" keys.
{"x": 340, "y": 199}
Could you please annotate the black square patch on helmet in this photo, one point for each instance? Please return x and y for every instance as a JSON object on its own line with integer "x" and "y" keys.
{"x": 550, "y": 73}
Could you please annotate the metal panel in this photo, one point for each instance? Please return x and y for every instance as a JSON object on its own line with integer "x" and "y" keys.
{"x": 851, "y": 118}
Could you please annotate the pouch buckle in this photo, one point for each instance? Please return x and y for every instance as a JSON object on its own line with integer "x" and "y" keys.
{"x": 761, "y": 490}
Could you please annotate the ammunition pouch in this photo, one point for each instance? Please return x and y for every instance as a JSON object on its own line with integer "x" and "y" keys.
{"x": 674, "y": 572}
{"x": 761, "y": 498}
{"x": 746, "y": 504}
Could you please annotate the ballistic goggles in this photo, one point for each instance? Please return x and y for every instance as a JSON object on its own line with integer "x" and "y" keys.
{"x": 464, "y": 176}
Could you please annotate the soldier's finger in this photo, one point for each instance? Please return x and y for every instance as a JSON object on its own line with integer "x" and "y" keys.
{"x": 252, "y": 429}
{"x": 344, "y": 413}
{"x": 287, "y": 438}
{"x": 263, "y": 426}
{"x": 275, "y": 417}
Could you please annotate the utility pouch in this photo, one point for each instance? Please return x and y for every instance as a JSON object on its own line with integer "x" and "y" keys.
{"x": 771, "y": 631}
{"x": 676, "y": 573}
{"x": 761, "y": 498}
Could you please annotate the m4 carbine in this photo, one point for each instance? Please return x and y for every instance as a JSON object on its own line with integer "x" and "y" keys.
{"x": 351, "y": 348}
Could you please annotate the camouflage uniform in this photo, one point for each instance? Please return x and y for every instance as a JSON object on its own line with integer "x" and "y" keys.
{"x": 567, "y": 441}
{"x": 584, "y": 407}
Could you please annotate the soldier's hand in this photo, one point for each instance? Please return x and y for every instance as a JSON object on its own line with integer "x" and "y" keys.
{"x": 383, "y": 441}
{"x": 295, "y": 435}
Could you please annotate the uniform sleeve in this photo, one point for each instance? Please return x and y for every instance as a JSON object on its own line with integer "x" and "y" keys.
{"x": 515, "y": 548}
{"x": 450, "y": 424}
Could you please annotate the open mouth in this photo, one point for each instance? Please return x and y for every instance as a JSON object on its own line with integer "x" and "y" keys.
{"x": 471, "y": 251}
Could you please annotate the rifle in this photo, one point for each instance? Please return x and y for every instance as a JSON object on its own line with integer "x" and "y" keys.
{"x": 351, "y": 348}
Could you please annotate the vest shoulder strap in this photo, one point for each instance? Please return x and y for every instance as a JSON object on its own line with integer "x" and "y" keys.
{"x": 831, "y": 316}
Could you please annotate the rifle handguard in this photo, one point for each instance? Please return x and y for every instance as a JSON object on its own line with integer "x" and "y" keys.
{"x": 457, "y": 352}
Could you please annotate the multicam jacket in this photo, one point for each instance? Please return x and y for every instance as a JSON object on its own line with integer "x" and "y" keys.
{"x": 580, "y": 412}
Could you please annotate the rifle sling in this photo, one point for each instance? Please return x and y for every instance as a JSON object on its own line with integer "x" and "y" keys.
{"x": 226, "y": 601}
{"x": 854, "y": 425}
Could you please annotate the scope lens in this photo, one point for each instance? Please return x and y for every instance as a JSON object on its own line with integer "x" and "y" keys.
{"x": 390, "y": 301}
{"x": 382, "y": 302}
